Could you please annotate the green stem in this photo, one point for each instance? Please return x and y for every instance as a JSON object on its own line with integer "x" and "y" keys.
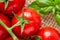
{"x": 9, "y": 30}
{"x": 17, "y": 24}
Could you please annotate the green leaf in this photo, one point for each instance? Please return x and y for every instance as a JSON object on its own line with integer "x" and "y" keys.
{"x": 54, "y": 10}
{"x": 58, "y": 7}
{"x": 46, "y": 2}
{"x": 43, "y": 3}
{"x": 42, "y": 6}
{"x": 57, "y": 2}
{"x": 46, "y": 10}
{"x": 45, "y": 6}
{"x": 57, "y": 17}
{"x": 34, "y": 5}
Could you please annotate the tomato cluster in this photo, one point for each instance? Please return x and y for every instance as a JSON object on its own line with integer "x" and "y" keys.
{"x": 25, "y": 23}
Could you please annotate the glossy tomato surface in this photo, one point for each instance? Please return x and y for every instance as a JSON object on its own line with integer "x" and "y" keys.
{"x": 3, "y": 32}
{"x": 13, "y": 6}
{"x": 48, "y": 33}
{"x": 32, "y": 27}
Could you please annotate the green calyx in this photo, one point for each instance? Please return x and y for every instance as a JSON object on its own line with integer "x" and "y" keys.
{"x": 6, "y": 2}
{"x": 21, "y": 22}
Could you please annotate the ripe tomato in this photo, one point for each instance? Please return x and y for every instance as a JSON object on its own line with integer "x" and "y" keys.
{"x": 13, "y": 6}
{"x": 3, "y": 32}
{"x": 48, "y": 33}
{"x": 10, "y": 38}
{"x": 32, "y": 27}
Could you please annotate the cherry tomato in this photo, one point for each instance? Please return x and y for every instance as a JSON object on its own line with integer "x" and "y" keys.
{"x": 32, "y": 27}
{"x": 13, "y": 6}
{"x": 48, "y": 33}
{"x": 3, "y": 32}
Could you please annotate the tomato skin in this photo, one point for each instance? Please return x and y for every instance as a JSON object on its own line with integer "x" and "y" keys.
{"x": 13, "y": 6}
{"x": 10, "y": 38}
{"x": 31, "y": 28}
{"x": 48, "y": 33}
{"x": 3, "y": 32}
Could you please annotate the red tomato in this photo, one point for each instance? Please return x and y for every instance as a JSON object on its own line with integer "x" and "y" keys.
{"x": 13, "y": 6}
{"x": 10, "y": 38}
{"x": 3, "y": 32}
{"x": 48, "y": 33}
{"x": 31, "y": 28}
